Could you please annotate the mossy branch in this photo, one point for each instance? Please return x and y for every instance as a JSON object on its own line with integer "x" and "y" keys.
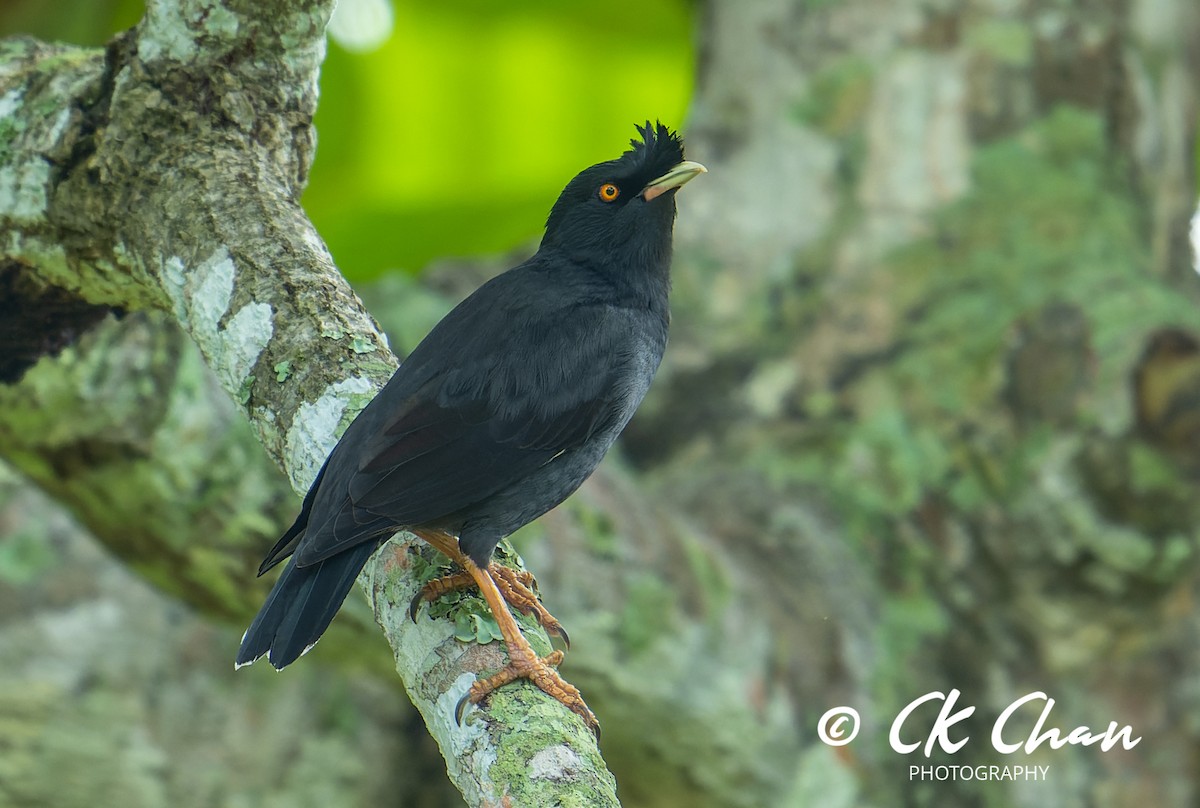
{"x": 163, "y": 175}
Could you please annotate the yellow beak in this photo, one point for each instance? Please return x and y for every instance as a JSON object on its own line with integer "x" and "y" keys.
{"x": 674, "y": 178}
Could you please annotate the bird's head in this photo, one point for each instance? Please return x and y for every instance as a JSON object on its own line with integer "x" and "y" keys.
{"x": 623, "y": 210}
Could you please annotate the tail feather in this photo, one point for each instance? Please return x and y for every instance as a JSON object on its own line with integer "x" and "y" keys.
{"x": 301, "y": 606}
{"x": 287, "y": 543}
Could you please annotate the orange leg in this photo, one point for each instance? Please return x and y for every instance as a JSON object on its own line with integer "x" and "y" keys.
{"x": 436, "y": 588}
{"x": 517, "y": 589}
{"x": 444, "y": 543}
{"x": 523, "y": 662}
{"x": 515, "y": 586}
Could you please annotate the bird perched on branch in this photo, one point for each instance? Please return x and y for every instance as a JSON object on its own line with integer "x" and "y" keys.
{"x": 500, "y": 414}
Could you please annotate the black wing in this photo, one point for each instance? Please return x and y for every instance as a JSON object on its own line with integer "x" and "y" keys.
{"x": 488, "y": 398}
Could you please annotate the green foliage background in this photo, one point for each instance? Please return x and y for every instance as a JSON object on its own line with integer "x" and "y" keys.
{"x": 454, "y": 136}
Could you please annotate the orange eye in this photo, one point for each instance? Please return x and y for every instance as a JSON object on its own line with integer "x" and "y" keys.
{"x": 609, "y": 192}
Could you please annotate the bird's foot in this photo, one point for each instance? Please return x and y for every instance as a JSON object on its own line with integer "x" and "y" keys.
{"x": 525, "y": 664}
{"x": 517, "y": 588}
{"x": 434, "y": 589}
{"x": 520, "y": 591}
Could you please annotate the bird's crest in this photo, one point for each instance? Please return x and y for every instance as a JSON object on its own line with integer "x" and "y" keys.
{"x": 656, "y": 153}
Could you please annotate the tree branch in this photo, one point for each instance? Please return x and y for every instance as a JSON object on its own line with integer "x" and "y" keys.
{"x": 164, "y": 174}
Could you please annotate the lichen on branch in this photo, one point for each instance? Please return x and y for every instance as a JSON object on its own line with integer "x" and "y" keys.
{"x": 163, "y": 174}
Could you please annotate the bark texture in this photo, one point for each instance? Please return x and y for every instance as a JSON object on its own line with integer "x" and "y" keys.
{"x": 163, "y": 175}
{"x": 926, "y": 421}
{"x": 934, "y": 294}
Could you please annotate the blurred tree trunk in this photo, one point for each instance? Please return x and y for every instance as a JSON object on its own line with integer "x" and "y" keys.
{"x": 894, "y": 448}
{"x": 909, "y": 305}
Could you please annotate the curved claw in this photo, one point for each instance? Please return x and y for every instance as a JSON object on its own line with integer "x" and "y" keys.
{"x": 414, "y": 605}
{"x": 461, "y": 707}
{"x": 557, "y": 629}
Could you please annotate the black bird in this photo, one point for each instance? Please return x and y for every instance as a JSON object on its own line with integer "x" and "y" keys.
{"x": 500, "y": 414}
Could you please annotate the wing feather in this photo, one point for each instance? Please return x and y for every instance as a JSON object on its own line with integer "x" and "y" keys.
{"x": 501, "y": 387}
